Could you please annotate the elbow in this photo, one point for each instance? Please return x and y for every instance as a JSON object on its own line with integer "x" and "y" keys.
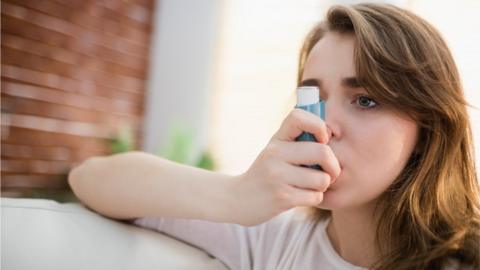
{"x": 79, "y": 177}
{"x": 73, "y": 179}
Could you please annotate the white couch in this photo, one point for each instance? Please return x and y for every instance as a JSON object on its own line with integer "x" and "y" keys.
{"x": 43, "y": 234}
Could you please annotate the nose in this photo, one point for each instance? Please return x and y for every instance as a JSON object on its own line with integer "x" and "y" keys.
{"x": 332, "y": 120}
{"x": 329, "y": 132}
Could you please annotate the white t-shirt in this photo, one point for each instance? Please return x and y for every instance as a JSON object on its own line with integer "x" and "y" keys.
{"x": 287, "y": 241}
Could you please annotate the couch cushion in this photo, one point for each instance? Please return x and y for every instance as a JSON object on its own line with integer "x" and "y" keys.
{"x": 44, "y": 234}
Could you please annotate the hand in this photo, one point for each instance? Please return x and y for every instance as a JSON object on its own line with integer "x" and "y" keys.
{"x": 275, "y": 182}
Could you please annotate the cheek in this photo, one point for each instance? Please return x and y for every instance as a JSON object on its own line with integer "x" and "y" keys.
{"x": 375, "y": 154}
{"x": 382, "y": 151}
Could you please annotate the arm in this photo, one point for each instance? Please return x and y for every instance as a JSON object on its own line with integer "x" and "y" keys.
{"x": 137, "y": 184}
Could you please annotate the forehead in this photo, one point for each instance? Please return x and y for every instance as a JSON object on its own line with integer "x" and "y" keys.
{"x": 331, "y": 57}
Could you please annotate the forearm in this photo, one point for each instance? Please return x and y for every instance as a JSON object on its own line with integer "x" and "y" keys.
{"x": 137, "y": 184}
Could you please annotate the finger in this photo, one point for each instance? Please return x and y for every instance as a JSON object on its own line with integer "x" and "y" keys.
{"x": 301, "y": 197}
{"x": 299, "y": 121}
{"x": 309, "y": 153}
{"x": 308, "y": 179}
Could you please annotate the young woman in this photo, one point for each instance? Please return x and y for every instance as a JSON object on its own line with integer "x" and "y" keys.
{"x": 398, "y": 188}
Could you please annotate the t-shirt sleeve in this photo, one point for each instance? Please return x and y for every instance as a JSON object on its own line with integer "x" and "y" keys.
{"x": 233, "y": 244}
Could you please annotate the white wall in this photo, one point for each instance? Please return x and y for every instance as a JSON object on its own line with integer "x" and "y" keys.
{"x": 260, "y": 42}
{"x": 227, "y": 68}
{"x": 180, "y": 74}
{"x": 458, "y": 22}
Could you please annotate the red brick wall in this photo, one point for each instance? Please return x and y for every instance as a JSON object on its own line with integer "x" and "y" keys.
{"x": 73, "y": 71}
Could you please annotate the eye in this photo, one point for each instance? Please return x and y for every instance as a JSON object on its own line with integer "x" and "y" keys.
{"x": 365, "y": 102}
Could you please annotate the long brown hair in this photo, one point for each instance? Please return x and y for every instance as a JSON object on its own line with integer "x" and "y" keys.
{"x": 429, "y": 216}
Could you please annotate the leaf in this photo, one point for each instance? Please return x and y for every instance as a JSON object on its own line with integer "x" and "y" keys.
{"x": 123, "y": 141}
{"x": 206, "y": 161}
{"x": 179, "y": 147}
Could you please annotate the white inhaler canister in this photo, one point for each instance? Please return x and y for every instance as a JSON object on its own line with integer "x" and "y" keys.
{"x": 308, "y": 99}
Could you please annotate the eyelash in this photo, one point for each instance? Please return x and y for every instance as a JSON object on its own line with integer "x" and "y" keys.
{"x": 362, "y": 107}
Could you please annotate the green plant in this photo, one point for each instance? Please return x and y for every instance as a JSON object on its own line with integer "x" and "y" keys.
{"x": 179, "y": 144}
{"x": 178, "y": 148}
{"x": 206, "y": 161}
{"x": 122, "y": 141}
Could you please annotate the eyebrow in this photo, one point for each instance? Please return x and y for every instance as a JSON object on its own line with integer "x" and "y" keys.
{"x": 350, "y": 82}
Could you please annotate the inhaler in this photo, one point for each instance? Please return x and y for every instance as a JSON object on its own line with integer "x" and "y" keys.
{"x": 308, "y": 99}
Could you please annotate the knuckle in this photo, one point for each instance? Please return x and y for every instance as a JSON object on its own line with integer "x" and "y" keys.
{"x": 296, "y": 114}
{"x": 272, "y": 150}
{"x": 282, "y": 197}
{"x": 273, "y": 172}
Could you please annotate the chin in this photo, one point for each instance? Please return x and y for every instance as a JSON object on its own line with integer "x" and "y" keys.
{"x": 345, "y": 200}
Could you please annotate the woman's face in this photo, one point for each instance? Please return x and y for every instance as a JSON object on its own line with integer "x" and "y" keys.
{"x": 371, "y": 142}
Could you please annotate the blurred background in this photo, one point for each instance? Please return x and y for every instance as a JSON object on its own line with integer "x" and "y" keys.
{"x": 201, "y": 82}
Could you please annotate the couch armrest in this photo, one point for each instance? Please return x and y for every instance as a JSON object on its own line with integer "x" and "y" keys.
{"x": 44, "y": 234}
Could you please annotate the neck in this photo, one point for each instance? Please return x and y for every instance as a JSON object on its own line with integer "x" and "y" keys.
{"x": 352, "y": 234}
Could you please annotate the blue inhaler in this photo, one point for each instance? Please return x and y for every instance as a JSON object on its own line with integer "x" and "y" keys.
{"x": 308, "y": 99}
